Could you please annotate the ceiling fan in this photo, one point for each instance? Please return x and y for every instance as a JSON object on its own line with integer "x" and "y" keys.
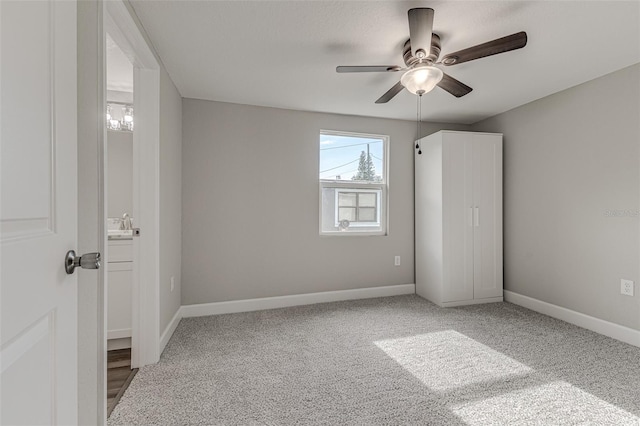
{"x": 421, "y": 53}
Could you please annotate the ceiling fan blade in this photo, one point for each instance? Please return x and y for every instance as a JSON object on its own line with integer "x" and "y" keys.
{"x": 420, "y": 29}
{"x": 500, "y": 45}
{"x": 368, "y": 68}
{"x": 453, "y": 86}
{"x": 390, "y": 93}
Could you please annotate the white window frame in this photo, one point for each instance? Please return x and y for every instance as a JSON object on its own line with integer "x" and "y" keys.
{"x": 380, "y": 228}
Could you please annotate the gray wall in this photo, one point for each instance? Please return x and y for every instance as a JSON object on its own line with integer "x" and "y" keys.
{"x": 170, "y": 197}
{"x": 570, "y": 158}
{"x": 250, "y": 205}
{"x": 119, "y": 173}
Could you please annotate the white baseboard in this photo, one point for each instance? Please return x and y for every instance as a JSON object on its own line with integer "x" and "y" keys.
{"x": 249, "y": 305}
{"x": 472, "y": 302}
{"x": 118, "y": 334}
{"x": 171, "y": 327}
{"x": 116, "y": 344}
{"x": 615, "y": 331}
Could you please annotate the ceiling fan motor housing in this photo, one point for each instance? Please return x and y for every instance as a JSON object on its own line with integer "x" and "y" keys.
{"x": 431, "y": 59}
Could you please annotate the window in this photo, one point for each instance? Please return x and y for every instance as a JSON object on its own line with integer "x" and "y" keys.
{"x": 353, "y": 183}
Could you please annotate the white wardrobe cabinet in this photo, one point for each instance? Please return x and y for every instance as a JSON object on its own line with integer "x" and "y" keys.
{"x": 458, "y": 222}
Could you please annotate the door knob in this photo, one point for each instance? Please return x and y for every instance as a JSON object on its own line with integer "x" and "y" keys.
{"x": 86, "y": 261}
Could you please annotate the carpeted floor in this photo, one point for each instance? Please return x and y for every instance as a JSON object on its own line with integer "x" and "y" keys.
{"x": 395, "y": 360}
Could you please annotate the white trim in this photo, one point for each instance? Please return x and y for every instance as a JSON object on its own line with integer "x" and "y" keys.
{"x": 125, "y": 33}
{"x": 146, "y": 209}
{"x": 249, "y": 305}
{"x": 615, "y": 331}
{"x": 171, "y": 327}
{"x": 119, "y": 334}
{"x": 471, "y": 302}
{"x": 347, "y": 184}
{"x": 92, "y": 215}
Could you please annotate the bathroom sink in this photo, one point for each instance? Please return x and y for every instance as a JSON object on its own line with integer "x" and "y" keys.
{"x": 120, "y": 234}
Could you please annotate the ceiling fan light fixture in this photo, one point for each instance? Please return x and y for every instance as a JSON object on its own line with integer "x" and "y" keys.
{"x": 420, "y": 80}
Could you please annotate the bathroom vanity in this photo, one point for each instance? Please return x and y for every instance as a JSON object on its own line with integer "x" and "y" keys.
{"x": 119, "y": 292}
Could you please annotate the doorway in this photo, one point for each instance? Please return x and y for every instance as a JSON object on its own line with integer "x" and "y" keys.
{"x": 130, "y": 332}
{"x": 118, "y": 259}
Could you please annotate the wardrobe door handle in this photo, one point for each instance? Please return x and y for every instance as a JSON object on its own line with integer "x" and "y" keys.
{"x": 477, "y": 216}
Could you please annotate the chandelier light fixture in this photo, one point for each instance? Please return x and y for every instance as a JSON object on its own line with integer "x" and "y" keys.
{"x": 119, "y": 117}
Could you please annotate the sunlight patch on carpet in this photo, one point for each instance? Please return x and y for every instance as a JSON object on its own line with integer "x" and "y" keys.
{"x": 556, "y": 403}
{"x": 447, "y": 360}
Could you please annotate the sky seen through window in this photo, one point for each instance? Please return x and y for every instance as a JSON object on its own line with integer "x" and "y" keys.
{"x": 340, "y": 155}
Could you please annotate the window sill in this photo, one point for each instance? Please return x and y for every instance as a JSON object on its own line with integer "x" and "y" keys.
{"x": 353, "y": 234}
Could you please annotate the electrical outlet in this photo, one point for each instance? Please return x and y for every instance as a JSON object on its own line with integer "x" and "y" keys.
{"x": 397, "y": 261}
{"x": 173, "y": 283}
{"x": 626, "y": 287}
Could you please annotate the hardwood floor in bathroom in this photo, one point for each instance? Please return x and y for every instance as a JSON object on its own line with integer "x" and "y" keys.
{"x": 119, "y": 375}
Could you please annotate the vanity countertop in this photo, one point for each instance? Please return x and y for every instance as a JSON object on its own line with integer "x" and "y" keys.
{"x": 120, "y": 234}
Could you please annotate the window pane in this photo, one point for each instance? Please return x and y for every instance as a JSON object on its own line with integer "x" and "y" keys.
{"x": 367, "y": 199}
{"x": 348, "y": 213}
{"x": 367, "y": 214}
{"x": 347, "y": 199}
{"x": 352, "y": 183}
{"x": 351, "y": 158}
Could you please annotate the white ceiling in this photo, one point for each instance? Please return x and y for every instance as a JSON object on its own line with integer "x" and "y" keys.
{"x": 119, "y": 68}
{"x": 284, "y": 53}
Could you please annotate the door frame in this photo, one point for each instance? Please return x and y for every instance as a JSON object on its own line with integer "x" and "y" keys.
{"x": 120, "y": 24}
{"x": 93, "y": 20}
{"x": 92, "y": 234}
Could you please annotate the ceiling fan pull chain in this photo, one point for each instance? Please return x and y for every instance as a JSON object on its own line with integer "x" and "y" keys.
{"x": 419, "y": 120}
{"x": 418, "y": 123}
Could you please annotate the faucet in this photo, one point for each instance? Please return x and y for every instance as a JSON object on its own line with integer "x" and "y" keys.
{"x": 125, "y": 223}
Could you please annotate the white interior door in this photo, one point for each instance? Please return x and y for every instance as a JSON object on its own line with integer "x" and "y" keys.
{"x": 38, "y": 212}
{"x": 487, "y": 201}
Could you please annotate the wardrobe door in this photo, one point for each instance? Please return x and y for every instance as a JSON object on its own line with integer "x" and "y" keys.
{"x": 457, "y": 218}
{"x": 487, "y": 216}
